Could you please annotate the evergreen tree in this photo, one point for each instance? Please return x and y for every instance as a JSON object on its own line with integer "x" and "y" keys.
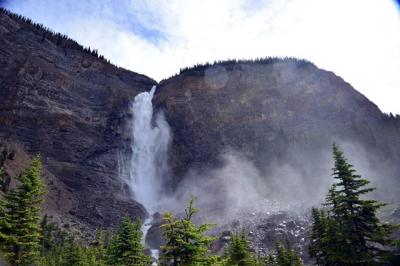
{"x": 395, "y": 257}
{"x": 5, "y": 179}
{"x": 351, "y": 233}
{"x": 325, "y": 235}
{"x": 48, "y": 229}
{"x": 19, "y": 220}
{"x": 185, "y": 242}
{"x": 71, "y": 253}
{"x": 238, "y": 252}
{"x": 285, "y": 256}
{"x": 99, "y": 247}
{"x": 318, "y": 232}
{"x": 54, "y": 243}
{"x": 126, "y": 247}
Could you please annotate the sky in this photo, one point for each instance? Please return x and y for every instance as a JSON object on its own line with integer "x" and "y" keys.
{"x": 359, "y": 40}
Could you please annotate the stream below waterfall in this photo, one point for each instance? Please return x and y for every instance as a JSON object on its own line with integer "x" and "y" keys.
{"x": 154, "y": 253}
{"x": 148, "y": 164}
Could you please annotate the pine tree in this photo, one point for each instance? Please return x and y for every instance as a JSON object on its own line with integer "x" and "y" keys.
{"x": 126, "y": 247}
{"x": 72, "y": 254}
{"x": 395, "y": 257}
{"x": 47, "y": 229}
{"x": 285, "y": 256}
{"x": 185, "y": 242}
{"x": 5, "y": 178}
{"x": 238, "y": 252}
{"x": 351, "y": 233}
{"x": 317, "y": 248}
{"x": 19, "y": 220}
{"x": 54, "y": 243}
{"x": 99, "y": 247}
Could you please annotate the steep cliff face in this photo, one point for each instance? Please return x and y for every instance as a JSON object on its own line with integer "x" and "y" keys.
{"x": 276, "y": 112}
{"x": 70, "y": 107}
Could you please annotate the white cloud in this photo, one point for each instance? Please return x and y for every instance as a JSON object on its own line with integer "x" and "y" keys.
{"x": 358, "y": 40}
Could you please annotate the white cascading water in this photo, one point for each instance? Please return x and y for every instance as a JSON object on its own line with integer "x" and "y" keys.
{"x": 148, "y": 164}
{"x": 149, "y": 147}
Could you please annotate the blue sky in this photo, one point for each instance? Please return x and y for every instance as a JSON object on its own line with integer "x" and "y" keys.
{"x": 358, "y": 39}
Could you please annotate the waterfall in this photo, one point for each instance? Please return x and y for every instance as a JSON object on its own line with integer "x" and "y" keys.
{"x": 149, "y": 151}
{"x": 148, "y": 164}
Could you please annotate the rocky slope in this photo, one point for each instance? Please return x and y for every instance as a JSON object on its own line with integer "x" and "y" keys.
{"x": 282, "y": 115}
{"x": 70, "y": 107}
{"x": 277, "y": 112}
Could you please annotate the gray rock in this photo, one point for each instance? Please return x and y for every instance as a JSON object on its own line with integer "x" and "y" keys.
{"x": 71, "y": 108}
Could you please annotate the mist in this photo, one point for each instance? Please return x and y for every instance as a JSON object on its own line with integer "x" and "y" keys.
{"x": 237, "y": 189}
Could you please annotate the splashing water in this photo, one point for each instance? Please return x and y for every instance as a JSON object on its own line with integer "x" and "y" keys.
{"x": 150, "y": 144}
{"x": 148, "y": 164}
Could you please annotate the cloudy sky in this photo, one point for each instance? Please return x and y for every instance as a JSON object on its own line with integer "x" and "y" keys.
{"x": 357, "y": 39}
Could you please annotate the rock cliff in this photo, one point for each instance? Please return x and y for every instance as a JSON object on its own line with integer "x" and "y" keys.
{"x": 276, "y": 112}
{"x": 70, "y": 107}
{"x": 282, "y": 115}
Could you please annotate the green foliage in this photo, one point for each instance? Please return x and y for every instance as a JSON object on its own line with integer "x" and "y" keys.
{"x": 285, "y": 256}
{"x": 317, "y": 248}
{"x": 394, "y": 259}
{"x": 350, "y": 233}
{"x": 99, "y": 246}
{"x": 64, "y": 251}
{"x": 52, "y": 235}
{"x": 71, "y": 253}
{"x": 185, "y": 242}
{"x": 52, "y": 240}
{"x": 26, "y": 241}
{"x": 20, "y": 210}
{"x": 5, "y": 179}
{"x": 230, "y": 64}
{"x": 238, "y": 252}
{"x": 79, "y": 255}
{"x": 126, "y": 247}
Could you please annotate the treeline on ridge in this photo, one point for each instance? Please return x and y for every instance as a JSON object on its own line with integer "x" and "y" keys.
{"x": 59, "y": 39}
{"x": 230, "y": 64}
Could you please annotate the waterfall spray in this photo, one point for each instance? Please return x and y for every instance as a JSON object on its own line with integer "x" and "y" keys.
{"x": 148, "y": 164}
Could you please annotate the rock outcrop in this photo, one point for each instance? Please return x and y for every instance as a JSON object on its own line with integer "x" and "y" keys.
{"x": 277, "y": 112}
{"x": 70, "y": 107}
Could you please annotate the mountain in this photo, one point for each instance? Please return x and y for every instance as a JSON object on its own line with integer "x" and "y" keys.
{"x": 71, "y": 106}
